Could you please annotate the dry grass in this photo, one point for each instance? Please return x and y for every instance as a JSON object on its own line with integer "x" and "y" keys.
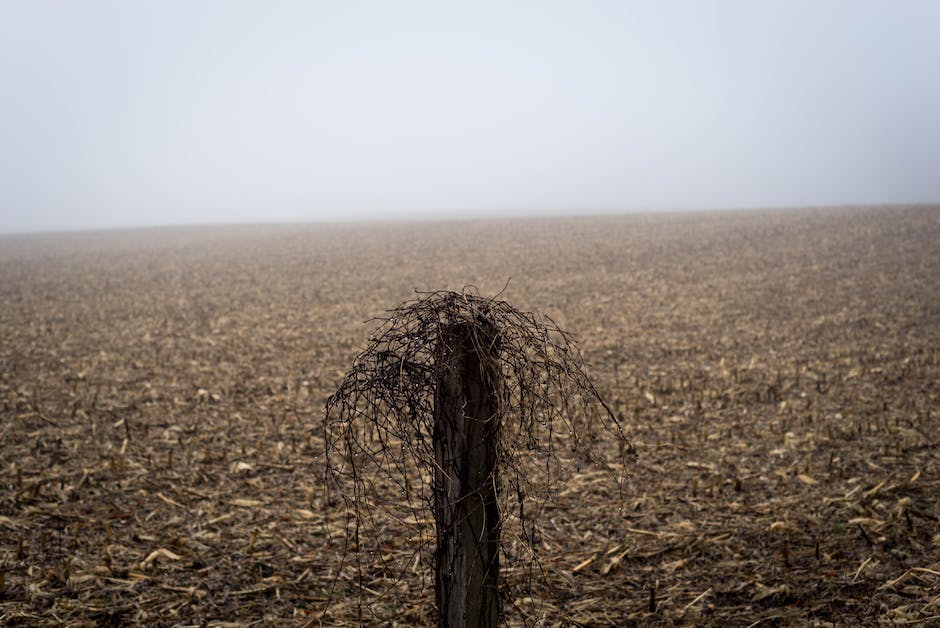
{"x": 778, "y": 373}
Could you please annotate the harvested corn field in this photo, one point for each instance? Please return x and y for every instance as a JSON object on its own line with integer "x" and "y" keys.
{"x": 777, "y": 372}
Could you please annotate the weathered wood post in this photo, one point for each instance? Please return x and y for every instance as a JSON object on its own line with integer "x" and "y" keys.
{"x": 466, "y": 426}
{"x": 482, "y": 381}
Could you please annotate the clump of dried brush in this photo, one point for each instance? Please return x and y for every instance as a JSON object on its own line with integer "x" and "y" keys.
{"x": 379, "y": 428}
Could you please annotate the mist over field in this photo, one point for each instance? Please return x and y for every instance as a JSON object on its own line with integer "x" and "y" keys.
{"x": 125, "y": 114}
{"x": 666, "y": 272}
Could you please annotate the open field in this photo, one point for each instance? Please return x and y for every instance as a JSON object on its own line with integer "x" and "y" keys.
{"x": 778, "y": 373}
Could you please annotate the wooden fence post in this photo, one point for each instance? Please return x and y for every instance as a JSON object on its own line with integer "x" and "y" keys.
{"x": 466, "y": 426}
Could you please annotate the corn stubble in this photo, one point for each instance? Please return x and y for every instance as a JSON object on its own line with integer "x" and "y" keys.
{"x": 777, "y": 372}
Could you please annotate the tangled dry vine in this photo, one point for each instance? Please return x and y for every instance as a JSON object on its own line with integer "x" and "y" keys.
{"x": 379, "y": 428}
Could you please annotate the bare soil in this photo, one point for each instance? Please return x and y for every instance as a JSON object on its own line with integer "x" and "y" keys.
{"x": 161, "y": 393}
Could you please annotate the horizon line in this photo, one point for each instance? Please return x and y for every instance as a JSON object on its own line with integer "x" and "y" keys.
{"x": 332, "y": 218}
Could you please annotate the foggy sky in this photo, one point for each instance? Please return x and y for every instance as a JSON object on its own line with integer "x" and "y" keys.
{"x": 176, "y": 112}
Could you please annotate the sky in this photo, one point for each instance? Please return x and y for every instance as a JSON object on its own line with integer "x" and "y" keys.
{"x": 153, "y": 112}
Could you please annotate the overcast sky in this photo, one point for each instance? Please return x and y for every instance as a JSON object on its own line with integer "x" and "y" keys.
{"x": 163, "y": 112}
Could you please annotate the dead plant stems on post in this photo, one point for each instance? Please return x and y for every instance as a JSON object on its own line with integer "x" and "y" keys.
{"x": 470, "y": 409}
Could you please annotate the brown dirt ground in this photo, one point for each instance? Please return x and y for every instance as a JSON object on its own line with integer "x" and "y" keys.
{"x": 778, "y": 373}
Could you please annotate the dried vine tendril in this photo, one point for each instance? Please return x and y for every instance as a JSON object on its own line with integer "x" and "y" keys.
{"x": 379, "y": 427}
